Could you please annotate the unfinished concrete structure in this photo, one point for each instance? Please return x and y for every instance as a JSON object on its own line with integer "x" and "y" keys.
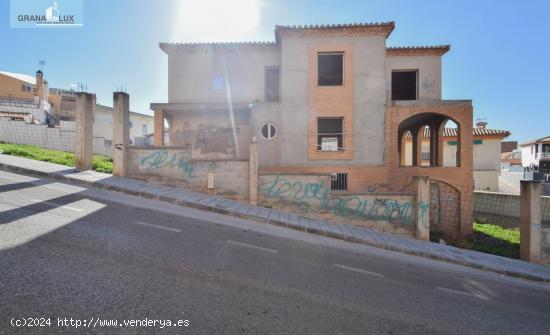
{"x": 486, "y": 151}
{"x": 84, "y": 124}
{"x": 328, "y": 107}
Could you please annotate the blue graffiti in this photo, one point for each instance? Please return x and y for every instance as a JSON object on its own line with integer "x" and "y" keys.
{"x": 317, "y": 195}
{"x": 162, "y": 159}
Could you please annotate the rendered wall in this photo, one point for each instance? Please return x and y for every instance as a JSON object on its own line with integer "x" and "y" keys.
{"x": 12, "y": 87}
{"x": 219, "y": 73}
{"x": 429, "y": 74}
{"x": 486, "y": 180}
{"x": 210, "y": 133}
{"x": 175, "y": 167}
{"x": 269, "y": 150}
{"x": 368, "y": 58}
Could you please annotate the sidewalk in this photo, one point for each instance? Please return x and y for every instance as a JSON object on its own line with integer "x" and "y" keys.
{"x": 511, "y": 267}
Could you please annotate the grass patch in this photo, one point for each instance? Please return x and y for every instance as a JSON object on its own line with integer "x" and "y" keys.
{"x": 100, "y": 163}
{"x": 494, "y": 239}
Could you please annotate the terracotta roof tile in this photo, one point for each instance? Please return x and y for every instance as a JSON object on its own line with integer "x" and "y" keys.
{"x": 418, "y": 50}
{"x": 390, "y": 24}
{"x": 222, "y": 44}
{"x": 452, "y": 132}
{"x": 351, "y": 28}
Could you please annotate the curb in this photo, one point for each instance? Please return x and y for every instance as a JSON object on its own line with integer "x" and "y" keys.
{"x": 220, "y": 209}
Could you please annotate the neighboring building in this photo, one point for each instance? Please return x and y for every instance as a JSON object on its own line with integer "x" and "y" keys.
{"x": 63, "y": 103}
{"x": 25, "y": 96}
{"x": 140, "y": 125}
{"x": 508, "y": 146}
{"x": 535, "y": 157}
{"x": 511, "y": 160}
{"x": 487, "y": 156}
{"x": 331, "y": 100}
{"x": 16, "y": 85}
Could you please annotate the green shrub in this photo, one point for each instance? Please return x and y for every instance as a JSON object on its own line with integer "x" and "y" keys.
{"x": 100, "y": 163}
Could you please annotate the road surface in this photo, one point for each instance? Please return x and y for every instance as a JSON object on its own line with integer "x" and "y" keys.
{"x": 83, "y": 257}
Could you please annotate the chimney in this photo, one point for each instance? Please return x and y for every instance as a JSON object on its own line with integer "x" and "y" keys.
{"x": 481, "y": 124}
{"x": 39, "y": 88}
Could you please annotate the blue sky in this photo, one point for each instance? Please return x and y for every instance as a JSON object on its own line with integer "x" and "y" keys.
{"x": 499, "y": 55}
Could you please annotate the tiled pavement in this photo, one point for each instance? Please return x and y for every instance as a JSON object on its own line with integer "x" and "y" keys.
{"x": 511, "y": 267}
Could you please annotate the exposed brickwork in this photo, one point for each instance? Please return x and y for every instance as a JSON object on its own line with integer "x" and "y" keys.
{"x": 459, "y": 177}
{"x": 330, "y": 101}
{"x": 362, "y": 178}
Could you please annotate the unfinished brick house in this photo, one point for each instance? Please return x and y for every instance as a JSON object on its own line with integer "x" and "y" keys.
{"x": 328, "y": 108}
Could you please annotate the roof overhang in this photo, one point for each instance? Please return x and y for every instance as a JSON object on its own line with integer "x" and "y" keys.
{"x": 172, "y": 47}
{"x": 354, "y": 29}
{"x": 436, "y": 50}
{"x": 176, "y": 106}
{"x": 537, "y": 141}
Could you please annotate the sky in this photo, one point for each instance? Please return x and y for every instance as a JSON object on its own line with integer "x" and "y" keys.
{"x": 499, "y": 54}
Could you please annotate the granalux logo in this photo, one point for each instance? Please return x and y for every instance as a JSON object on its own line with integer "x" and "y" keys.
{"x": 46, "y": 13}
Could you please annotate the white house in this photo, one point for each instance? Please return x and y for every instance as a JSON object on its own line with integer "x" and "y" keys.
{"x": 486, "y": 153}
{"x": 535, "y": 153}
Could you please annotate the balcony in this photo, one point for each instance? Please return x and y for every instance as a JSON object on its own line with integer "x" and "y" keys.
{"x": 542, "y": 155}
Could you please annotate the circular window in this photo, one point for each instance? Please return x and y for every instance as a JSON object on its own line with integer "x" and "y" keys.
{"x": 269, "y": 131}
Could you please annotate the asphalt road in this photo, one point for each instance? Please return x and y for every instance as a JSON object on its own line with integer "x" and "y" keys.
{"x": 93, "y": 255}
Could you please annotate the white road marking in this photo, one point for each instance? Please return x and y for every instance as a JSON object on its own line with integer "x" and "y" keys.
{"x": 252, "y": 246}
{"x": 57, "y": 205}
{"x": 158, "y": 227}
{"x": 350, "y": 268}
{"x": 450, "y": 290}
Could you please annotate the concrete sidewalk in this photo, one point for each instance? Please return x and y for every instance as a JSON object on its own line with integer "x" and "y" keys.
{"x": 511, "y": 267}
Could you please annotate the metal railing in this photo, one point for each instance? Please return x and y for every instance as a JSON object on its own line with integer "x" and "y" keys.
{"x": 540, "y": 155}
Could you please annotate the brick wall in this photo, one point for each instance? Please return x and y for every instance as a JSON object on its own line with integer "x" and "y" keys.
{"x": 461, "y": 177}
{"x": 310, "y": 195}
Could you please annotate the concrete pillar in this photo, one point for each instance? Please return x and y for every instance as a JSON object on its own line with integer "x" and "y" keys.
{"x": 121, "y": 132}
{"x": 530, "y": 221}
{"x": 422, "y": 188}
{"x": 84, "y": 124}
{"x": 159, "y": 128}
{"x": 253, "y": 174}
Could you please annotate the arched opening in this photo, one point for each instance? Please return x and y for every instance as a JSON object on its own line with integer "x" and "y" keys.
{"x": 424, "y": 140}
{"x": 444, "y": 211}
{"x": 450, "y": 134}
{"x": 425, "y": 152}
{"x": 405, "y": 149}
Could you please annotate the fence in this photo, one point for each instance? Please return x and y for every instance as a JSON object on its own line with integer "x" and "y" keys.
{"x": 503, "y": 209}
{"x": 40, "y": 135}
{"x": 497, "y": 220}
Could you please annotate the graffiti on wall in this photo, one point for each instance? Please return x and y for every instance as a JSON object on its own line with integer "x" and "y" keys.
{"x": 428, "y": 85}
{"x": 315, "y": 196}
{"x": 161, "y": 159}
{"x": 212, "y": 139}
